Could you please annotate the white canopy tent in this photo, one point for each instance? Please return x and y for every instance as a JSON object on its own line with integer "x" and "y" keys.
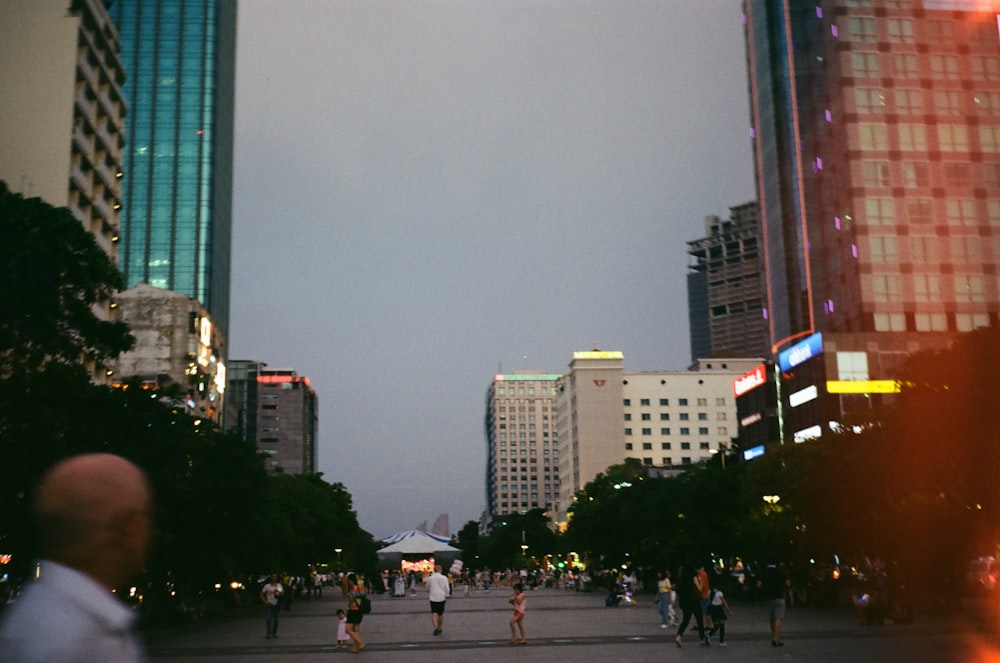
{"x": 416, "y": 544}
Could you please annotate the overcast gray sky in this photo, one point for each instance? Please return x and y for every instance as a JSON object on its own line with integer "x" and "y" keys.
{"x": 427, "y": 192}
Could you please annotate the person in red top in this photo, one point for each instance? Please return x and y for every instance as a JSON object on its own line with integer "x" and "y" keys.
{"x": 706, "y": 592}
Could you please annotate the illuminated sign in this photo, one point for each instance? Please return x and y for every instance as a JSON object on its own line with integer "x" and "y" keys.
{"x": 862, "y": 386}
{"x": 962, "y": 5}
{"x": 206, "y": 331}
{"x": 808, "y": 433}
{"x": 749, "y": 381}
{"x": 803, "y": 396}
{"x": 804, "y": 350}
{"x": 598, "y": 354}
{"x": 753, "y": 452}
{"x": 751, "y": 420}
{"x": 220, "y": 377}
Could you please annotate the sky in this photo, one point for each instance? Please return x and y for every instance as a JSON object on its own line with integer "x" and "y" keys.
{"x": 427, "y": 193}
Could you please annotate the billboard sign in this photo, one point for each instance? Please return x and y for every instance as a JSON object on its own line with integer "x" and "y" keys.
{"x": 749, "y": 380}
{"x": 803, "y": 351}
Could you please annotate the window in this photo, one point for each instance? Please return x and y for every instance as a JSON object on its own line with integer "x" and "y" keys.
{"x": 930, "y": 322}
{"x": 702, "y": 402}
{"x": 880, "y": 211}
{"x": 665, "y": 445}
{"x": 909, "y": 101}
{"x": 684, "y": 416}
{"x": 872, "y": 136}
{"x": 985, "y": 68}
{"x": 664, "y": 401}
{"x": 643, "y": 401}
{"x": 628, "y": 416}
{"x": 865, "y": 65}
{"x": 940, "y": 31}
{"x": 987, "y": 103}
{"x": 703, "y": 416}
{"x": 920, "y": 210}
{"x": 969, "y": 288}
{"x": 960, "y": 212}
{"x": 682, "y": 401}
{"x": 685, "y": 446}
{"x": 989, "y": 138}
{"x": 647, "y": 446}
{"x": 723, "y": 430}
{"x": 685, "y": 431}
{"x": 721, "y": 401}
{"x": 664, "y": 431}
{"x": 890, "y": 322}
{"x": 869, "y": 100}
{"x": 664, "y": 416}
{"x": 703, "y": 431}
{"x": 704, "y": 446}
{"x": 912, "y": 137}
{"x": 916, "y": 174}
{"x": 875, "y": 173}
{"x": 628, "y": 431}
{"x": 883, "y": 248}
{"x": 646, "y": 416}
{"x": 944, "y": 67}
{"x": 953, "y": 138}
{"x": 948, "y": 102}
{"x": 991, "y": 173}
{"x": 926, "y": 288}
{"x": 900, "y": 30}
{"x": 861, "y": 28}
{"x": 905, "y": 65}
{"x": 647, "y": 431}
{"x": 923, "y": 249}
{"x": 966, "y": 250}
{"x": 852, "y": 366}
{"x": 886, "y": 288}
{"x": 628, "y": 446}
{"x": 627, "y": 402}
{"x": 966, "y": 322}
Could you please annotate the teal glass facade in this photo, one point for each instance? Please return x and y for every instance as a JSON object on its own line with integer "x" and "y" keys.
{"x": 176, "y": 217}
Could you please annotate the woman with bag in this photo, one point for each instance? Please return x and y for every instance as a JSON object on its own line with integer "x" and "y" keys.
{"x": 354, "y": 592}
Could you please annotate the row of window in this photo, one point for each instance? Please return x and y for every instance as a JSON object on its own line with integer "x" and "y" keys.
{"x": 683, "y": 416}
{"x": 926, "y": 288}
{"x": 700, "y": 402}
{"x": 981, "y": 68}
{"x": 913, "y": 137}
{"x": 964, "y": 322}
{"x": 722, "y": 430}
{"x": 666, "y": 446}
{"x": 878, "y": 173}
{"x": 911, "y": 101}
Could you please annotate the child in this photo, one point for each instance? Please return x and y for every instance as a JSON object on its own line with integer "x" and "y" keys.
{"x": 341, "y": 628}
{"x": 718, "y": 609}
{"x": 518, "y": 601}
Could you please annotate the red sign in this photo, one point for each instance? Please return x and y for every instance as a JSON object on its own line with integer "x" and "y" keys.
{"x": 749, "y": 381}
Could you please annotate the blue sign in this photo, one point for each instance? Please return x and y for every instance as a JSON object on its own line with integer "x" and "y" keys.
{"x": 804, "y": 350}
{"x": 753, "y": 452}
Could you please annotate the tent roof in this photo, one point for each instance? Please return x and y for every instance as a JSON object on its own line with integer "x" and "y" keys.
{"x": 416, "y": 541}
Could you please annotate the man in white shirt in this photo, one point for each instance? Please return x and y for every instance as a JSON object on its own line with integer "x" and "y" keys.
{"x": 438, "y": 589}
{"x": 93, "y": 517}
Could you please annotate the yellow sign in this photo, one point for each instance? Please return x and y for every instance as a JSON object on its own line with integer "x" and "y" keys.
{"x": 598, "y": 354}
{"x": 862, "y": 386}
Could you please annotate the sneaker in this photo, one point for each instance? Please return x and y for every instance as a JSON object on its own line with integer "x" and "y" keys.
{"x": 722, "y": 644}
{"x": 663, "y": 626}
{"x": 777, "y": 643}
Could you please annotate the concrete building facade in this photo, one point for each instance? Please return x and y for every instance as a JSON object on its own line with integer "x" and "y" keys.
{"x": 278, "y": 410}
{"x": 726, "y": 287}
{"x": 176, "y": 344}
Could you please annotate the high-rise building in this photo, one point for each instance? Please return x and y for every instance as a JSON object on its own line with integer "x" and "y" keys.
{"x": 179, "y": 56}
{"x": 278, "y": 410}
{"x": 726, "y": 287}
{"x": 62, "y": 114}
{"x": 876, "y": 132}
{"x": 521, "y": 454}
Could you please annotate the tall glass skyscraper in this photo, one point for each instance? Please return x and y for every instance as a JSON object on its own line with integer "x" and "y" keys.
{"x": 179, "y": 57}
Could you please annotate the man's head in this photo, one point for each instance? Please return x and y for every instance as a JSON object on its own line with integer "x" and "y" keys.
{"x": 437, "y": 568}
{"x": 93, "y": 514}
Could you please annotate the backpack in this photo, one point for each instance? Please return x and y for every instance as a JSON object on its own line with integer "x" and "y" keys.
{"x": 365, "y": 604}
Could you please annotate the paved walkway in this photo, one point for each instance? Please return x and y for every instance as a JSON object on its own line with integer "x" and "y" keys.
{"x": 563, "y": 626}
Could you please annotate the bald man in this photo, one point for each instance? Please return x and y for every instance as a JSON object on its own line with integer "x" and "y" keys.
{"x": 93, "y": 517}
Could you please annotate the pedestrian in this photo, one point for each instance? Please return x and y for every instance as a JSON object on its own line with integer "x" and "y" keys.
{"x": 705, "y": 591}
{"x": 354, "y": 591}
{"x": 518, "y": 601}
{"x": 438, "y": 588}
{"x": 689, "y": 598}
{"x": 341, "y": 628}
{"x": 665, "y": 599}
{"x": 719, "y": 611}
{"x": 270, "y": 596}
{"x": 93, "y": 517}
{"x": 773, "y": 584}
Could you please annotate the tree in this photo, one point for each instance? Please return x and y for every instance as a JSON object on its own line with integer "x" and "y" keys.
{"x": 52, "y": 274}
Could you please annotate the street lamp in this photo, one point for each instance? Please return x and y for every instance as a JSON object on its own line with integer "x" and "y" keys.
{"x": 338, "y": 551}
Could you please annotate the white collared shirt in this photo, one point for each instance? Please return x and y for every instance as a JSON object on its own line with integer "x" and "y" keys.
{"x": 67, "y": 617}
